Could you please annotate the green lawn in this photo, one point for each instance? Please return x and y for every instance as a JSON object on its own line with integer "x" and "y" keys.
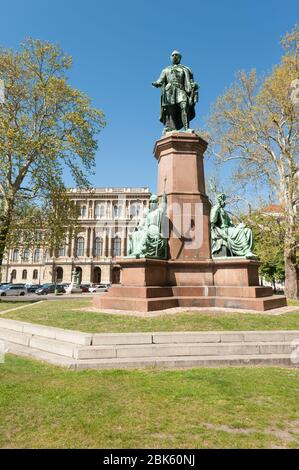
{"x": 4, "y": 305}
{"x": 45, "y": 406}
{"x": 67, "y": 314}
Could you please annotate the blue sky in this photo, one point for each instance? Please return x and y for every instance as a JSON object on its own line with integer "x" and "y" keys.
{"x": 119, "y": 48}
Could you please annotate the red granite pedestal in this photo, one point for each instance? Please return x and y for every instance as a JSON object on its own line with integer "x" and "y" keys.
{"x": 190, "y": 277}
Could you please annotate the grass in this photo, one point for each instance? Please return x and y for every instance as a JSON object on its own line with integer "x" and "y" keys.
{"x": 68, "y": 314}
{"x": 44, "y": 406}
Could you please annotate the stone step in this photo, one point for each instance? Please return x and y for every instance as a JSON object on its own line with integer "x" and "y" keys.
{"x": 211, "y": 347}
{"x": 50, "y": 332}
{"x": 222, "y": 291}
{"x": 145, "y": 362}
{"x": 23, "y": 331}
{"x": 225, "y": 336}
{"x": 135, "y": 304}
{"x": 59, "y": 347}
{"x": 56, "y": 346}
{"x": 186, "y": 362}
{"x": 162, "y": 303}
{"x": 195, "y": 349}
{"x": 260, "y": 303}
{"x": 142, "y": 292}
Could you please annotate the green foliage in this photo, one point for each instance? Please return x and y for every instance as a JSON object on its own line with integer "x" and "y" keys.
{"x": 45, "y": 126}
{"x": 255, "y": 124}
{"x": 268, "y": 233}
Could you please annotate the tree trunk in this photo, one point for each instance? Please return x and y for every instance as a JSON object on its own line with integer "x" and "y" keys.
{"x": 5, "y": 223}
{"x": 291, "y": 274}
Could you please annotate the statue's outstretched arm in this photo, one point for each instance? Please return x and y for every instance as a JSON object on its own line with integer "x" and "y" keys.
{"x": 161, "y": 80}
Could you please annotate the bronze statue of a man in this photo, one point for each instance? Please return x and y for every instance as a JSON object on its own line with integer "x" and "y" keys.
{"x": 179, "y": 95}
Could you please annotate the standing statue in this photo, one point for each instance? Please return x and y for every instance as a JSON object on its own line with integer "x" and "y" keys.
{"x": 75, "y": 278}
{"x": 179, "y": 95}
{"x": 148, "y": 240}
{"x": 229, "y": 239}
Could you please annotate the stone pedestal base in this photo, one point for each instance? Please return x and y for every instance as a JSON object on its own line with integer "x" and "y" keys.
{"x": 149, "y": 284}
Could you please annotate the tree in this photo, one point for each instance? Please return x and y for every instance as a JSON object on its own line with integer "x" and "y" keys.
{"x": 46, "y": 126}
{"x": 255, "y": 123}
{"x": 268, "y": 235}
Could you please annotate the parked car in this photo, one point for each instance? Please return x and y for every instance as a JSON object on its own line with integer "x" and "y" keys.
{"x": 10, "y": 289}
{"x": 32, "y": 288}
{"x": 85, "y": 287}
{"x": 98, "y": 288}
{"x": 49, "y": 289}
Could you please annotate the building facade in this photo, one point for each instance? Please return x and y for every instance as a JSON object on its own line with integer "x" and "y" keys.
{"x": 107, "y": 217}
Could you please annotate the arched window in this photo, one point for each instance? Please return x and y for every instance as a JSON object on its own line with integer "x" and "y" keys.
{"x": 15, "y": 255}
{"x": 13, "y": 275}
{"x": 80, "y": 246}
{"x": 83, "y": 211}
{"x": 26, "y": 255}
{"x": 35, "y": 274}
{"x": 98, "y": 247}
{"x": 116, "y": 246}
{"x": 24, "y": 274}
{"x": 37, "y": 255}
{"x": 61, "y": 251}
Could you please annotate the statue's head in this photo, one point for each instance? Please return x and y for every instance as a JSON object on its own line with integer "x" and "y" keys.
{"x": 176, "y": 57}
{"x": 221, "y": 199}
{"x": 153, "y": 202}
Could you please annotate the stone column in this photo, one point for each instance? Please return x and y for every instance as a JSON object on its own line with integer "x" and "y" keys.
{"x": 105, "y": 243}
{"x": 92, "y": 244}
{"x": 87, "y": 246}
{"x": 109, "y": 244}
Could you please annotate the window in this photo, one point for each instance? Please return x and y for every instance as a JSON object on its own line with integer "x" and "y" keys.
{"x": 116, "y": 246}
{"x": 100, "y": 211}
{"x": 61, "y": 251}
{"x": 98, "y": 247}
{"x": 35, "y": 274}
{"x": 116, "y": 211}
{"x": 37, "y": 255}
{"x": 135, "y": 209}
{"x": 83, "y": 211}
{"x": 15, "y": 255}
{"x": 80, "y": 246}
{"x": 24, "y": 274}
{"x": 26, "y": 255}
{"x": 13, "y": 275}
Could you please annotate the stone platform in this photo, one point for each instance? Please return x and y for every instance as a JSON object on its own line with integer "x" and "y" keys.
{"x": 149, "y": 285}
{"x": 77, "y": 350}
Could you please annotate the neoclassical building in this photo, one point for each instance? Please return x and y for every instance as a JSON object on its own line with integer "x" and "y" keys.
{"x": 107, "y": 217}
